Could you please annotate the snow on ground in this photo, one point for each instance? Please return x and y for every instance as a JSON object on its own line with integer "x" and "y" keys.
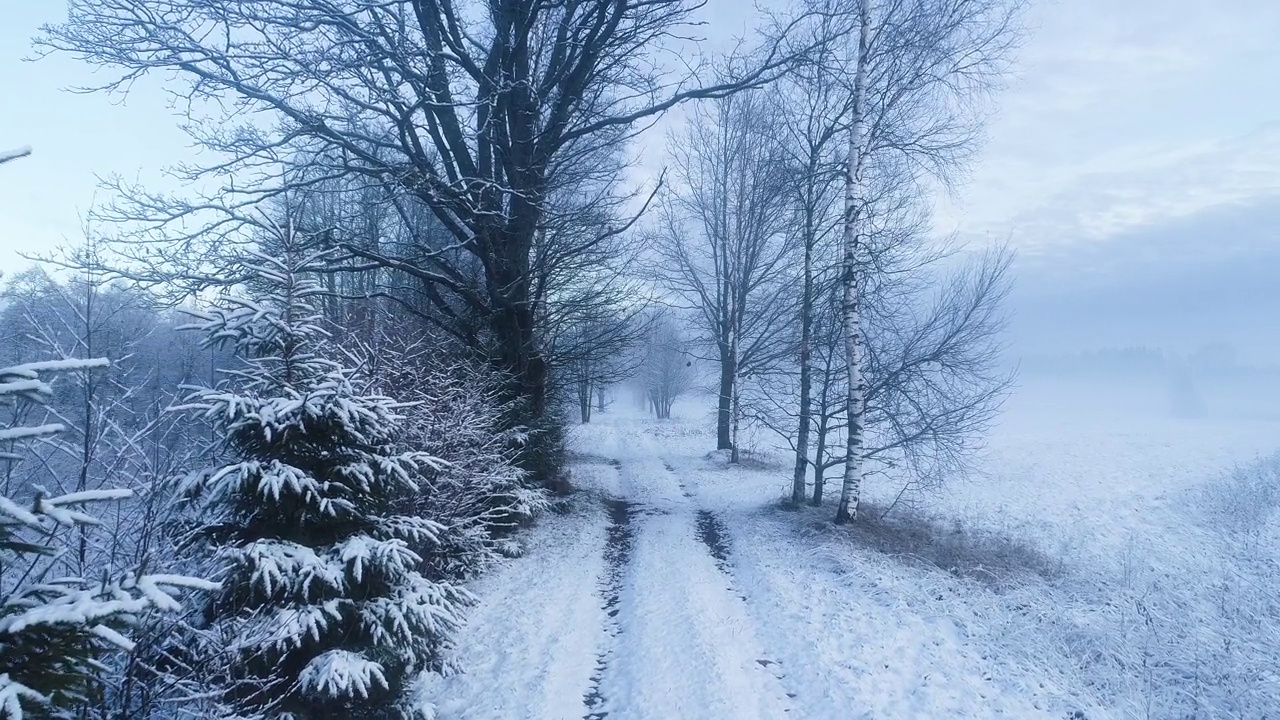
{"x": 1105, "y": 563}
{"x": 529, "y": 646}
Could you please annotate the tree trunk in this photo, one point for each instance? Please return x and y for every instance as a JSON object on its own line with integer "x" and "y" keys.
{"x": 512, "y": 325}
{"x": 819, "y": 465}
{"x": 724, "y": 410}
{"x": 736, "y": 406}
{"x": 806, "y": 376}
{"x": 737, "y": 413}
{"x": 855, "y": 402}
{"x": 585, "y": 387}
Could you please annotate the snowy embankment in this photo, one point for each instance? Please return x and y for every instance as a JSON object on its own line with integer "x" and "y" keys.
{"x": 1102, "y": 566}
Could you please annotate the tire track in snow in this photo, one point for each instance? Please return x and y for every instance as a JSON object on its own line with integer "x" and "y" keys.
{"x": 617, "y": 555}
{"x": 686, "y": 646}
{"x": 714, "y": 534}
{"x": 684, "y": 489}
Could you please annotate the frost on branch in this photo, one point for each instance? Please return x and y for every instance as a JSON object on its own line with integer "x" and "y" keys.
{"x": 453, "y": 409}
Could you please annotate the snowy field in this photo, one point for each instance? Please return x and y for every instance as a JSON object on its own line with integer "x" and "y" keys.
{"x": 1108, "y": 561}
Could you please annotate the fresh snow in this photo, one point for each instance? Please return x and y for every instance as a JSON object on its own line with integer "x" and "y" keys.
{"x": 674, "y": 586}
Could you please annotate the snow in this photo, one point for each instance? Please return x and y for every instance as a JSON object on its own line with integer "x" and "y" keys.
{"x": 113, "y": 637}
{"x": 528, "y": 649}
{"x": 280, "y": 564}
{"x": 12, "y": 694}
{"x": 1100, "y": 565}
{"x": 58, "y": 366}
{"x": 678, "y": 612}
{"x": 26, "y": 433}
{"x": 341, "y": 674}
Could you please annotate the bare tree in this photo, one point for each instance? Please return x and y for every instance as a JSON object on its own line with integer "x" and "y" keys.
{"x": 917, "y": 71}
{"x": 474, "y": 109}
{"x": 851, "y": 303}
{"x": 934, "y": 380}
{"x": 723, "y": 244}
{"x": 933, "y": 322}
{"x": 601, "y": 356}
{"x": 813, "y": 108}
{"x": 666, "y": 371}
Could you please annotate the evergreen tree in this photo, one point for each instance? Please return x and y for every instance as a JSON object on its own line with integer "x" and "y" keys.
{"x": 324, "y": 611}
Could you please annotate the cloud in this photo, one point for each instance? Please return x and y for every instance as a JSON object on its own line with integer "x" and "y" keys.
{"x": 1126, "y": 114}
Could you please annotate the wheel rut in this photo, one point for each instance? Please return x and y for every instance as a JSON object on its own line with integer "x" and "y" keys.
{"x": 714, "y": 535}
{"x": 677, "y": 631}
{"x": 619, "y": 542}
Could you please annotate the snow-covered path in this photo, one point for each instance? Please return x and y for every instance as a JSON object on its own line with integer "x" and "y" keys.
{"x": 629, "y": 613}
{"x": 686, "y": 645}
{"x": 528, "y": 648}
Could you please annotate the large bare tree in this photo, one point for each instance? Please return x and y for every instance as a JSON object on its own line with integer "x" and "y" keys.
{"x": 475, "y": 108}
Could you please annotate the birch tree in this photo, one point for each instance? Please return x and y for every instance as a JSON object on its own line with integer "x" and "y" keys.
{"x": 918, "y": 73}
{"x": 851, "y": 304}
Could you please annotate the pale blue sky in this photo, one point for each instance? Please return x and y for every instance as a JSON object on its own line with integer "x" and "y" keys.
{"x": 1139, "y": 141}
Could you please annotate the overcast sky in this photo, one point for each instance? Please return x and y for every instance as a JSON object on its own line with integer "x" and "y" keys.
{"x": 1134, "y": 164}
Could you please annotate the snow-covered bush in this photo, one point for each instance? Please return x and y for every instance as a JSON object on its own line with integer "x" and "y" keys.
{"x": 457, "y": 415}
{"x": 328, "y": 608}
{"x": 54, "y": 628}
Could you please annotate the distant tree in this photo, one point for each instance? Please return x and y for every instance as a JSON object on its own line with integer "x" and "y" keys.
{"x": 1184, "y": 398}
{"x": 666, "y": 372}
{"x": 324, "y": 609}
{"x": 600, "y": 356}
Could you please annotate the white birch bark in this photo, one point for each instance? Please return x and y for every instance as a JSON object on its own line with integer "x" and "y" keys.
{"x": 851, "y": 489}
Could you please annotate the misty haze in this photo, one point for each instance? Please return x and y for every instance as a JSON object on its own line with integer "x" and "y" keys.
{"x": 639, "y": 359}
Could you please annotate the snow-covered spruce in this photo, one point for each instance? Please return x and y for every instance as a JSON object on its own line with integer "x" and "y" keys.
{"x": 54, "y": 630}
{"x": 325, "y": 611}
